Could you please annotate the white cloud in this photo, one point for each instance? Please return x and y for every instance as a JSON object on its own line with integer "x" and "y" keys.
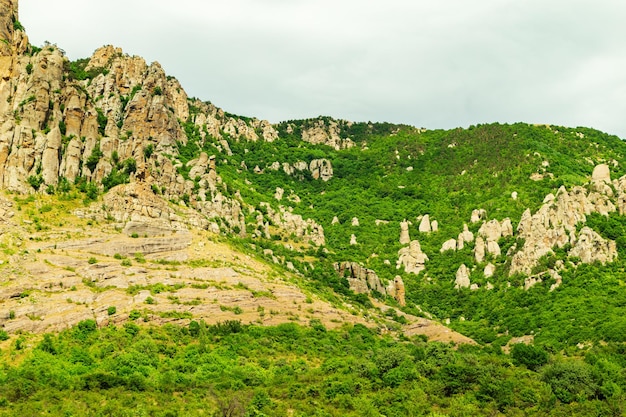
{"x": 436, "y": 64}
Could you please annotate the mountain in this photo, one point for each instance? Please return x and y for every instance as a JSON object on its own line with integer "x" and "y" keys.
{"x": 310, "y": 266}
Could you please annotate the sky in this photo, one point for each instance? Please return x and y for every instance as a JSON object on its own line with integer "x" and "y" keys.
{"x": 426, "y": 63}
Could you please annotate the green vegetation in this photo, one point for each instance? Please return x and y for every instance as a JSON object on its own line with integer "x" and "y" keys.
{"x": 76, "y": 70}
{"x": 398, "y": 172}
{"x": 199, "y": 369}
{"x": 16, "y": 24}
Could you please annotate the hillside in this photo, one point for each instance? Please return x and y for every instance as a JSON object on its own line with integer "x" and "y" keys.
{"x": 327, "y": 266}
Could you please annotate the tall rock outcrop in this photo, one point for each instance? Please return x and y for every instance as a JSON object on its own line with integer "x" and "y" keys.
{"x": 363, "y": 281}
{"x": 405, "y": 238}
{"x": 325, "y": 132}
{"x": 554, "y": 224}
{"x": 462, "y": 278}
{"x": 411, "y": 258}
{"x": 88, "y": 119}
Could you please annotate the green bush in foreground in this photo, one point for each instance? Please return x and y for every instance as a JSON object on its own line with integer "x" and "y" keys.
{"x": 202, "y": 369}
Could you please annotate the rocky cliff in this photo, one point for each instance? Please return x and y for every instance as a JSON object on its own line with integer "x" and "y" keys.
{"x": 111, "y": 116}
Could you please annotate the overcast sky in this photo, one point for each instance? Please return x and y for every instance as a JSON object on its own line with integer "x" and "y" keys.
{"x": 427, "y": 63}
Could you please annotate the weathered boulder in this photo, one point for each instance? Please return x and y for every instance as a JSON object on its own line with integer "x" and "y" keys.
{"x": 462, "y": 279}
{"x": 405, "y": 239}
{"x": 464, "y": 237}
{"x": 601, "y": 173}
{"x": 478, "y": 215}
{"x": 591, "y": 247}
{"x": 363, "y": 281}
{"x": 321, "y": 169}
{"x": 479, "y": 249}
{"x": 411, "y": 258}
{"x": 449, "y": 244}
{"x": 489, "y": 270}
{"x": 425, "y": 225}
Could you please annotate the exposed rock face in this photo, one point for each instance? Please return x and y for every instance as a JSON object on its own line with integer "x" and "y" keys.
{"x": 591, "y": 247}
{"x": 601, "y": 173}
{"x": 462, "y": 279}
{"x": 326, "y": 134}
{"x": 464, "y": 237}
{"x": 321, "y": 169}
{"x": 491, "y": 230}
{"x": 411, "y": 258}
{"x": 396, "y": 290}
{"x": 130, "y": 110}
{"x": 489, "y": 270}
{"x": 308, "y": 229}
{"x": 405, "y": 239}
{"x": 480, "y": 249}
{"x": 353, "y": 240}
{"x": 318, "y": 168}
{"x": 448, "y": 245}
{"x": 140, "y": 211}
{"x": 14, "y": 40}
{"x": 355, "y": 221}
{"x": 425, "y": 225}
{"x": 363, "y": 281}
{"x": 554, "y": 224}
{"x": 478, "y": 215}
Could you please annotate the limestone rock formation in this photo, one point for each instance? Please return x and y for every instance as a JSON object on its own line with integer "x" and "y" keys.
{"x": 396, "y": 290}
{"x": 480, "y": 248}
{"x": 321, "y": 169}
{"x": 318, "y": 168}
{"x": 489, "y": 270}
{"x": 591, "y": 247}
{"x": 326, "y": 133}
{"x": 554, "y": 224}
{"x": 601, "y": 173}
{"x": 462, "y": 279}
{"x": 478, "y": 215}
{"x": 411, "y": 258}
{"x": 405, "y": 239}
{"x": 449, "y": 244}
{"x": 138, "y": 210}
{"x": 464, "y": 237}
{"x": 285, "y": 219}
{"x": 425, "y": 225}
{"x": 363, "y": 281}
{"x": 353, "y": 239}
